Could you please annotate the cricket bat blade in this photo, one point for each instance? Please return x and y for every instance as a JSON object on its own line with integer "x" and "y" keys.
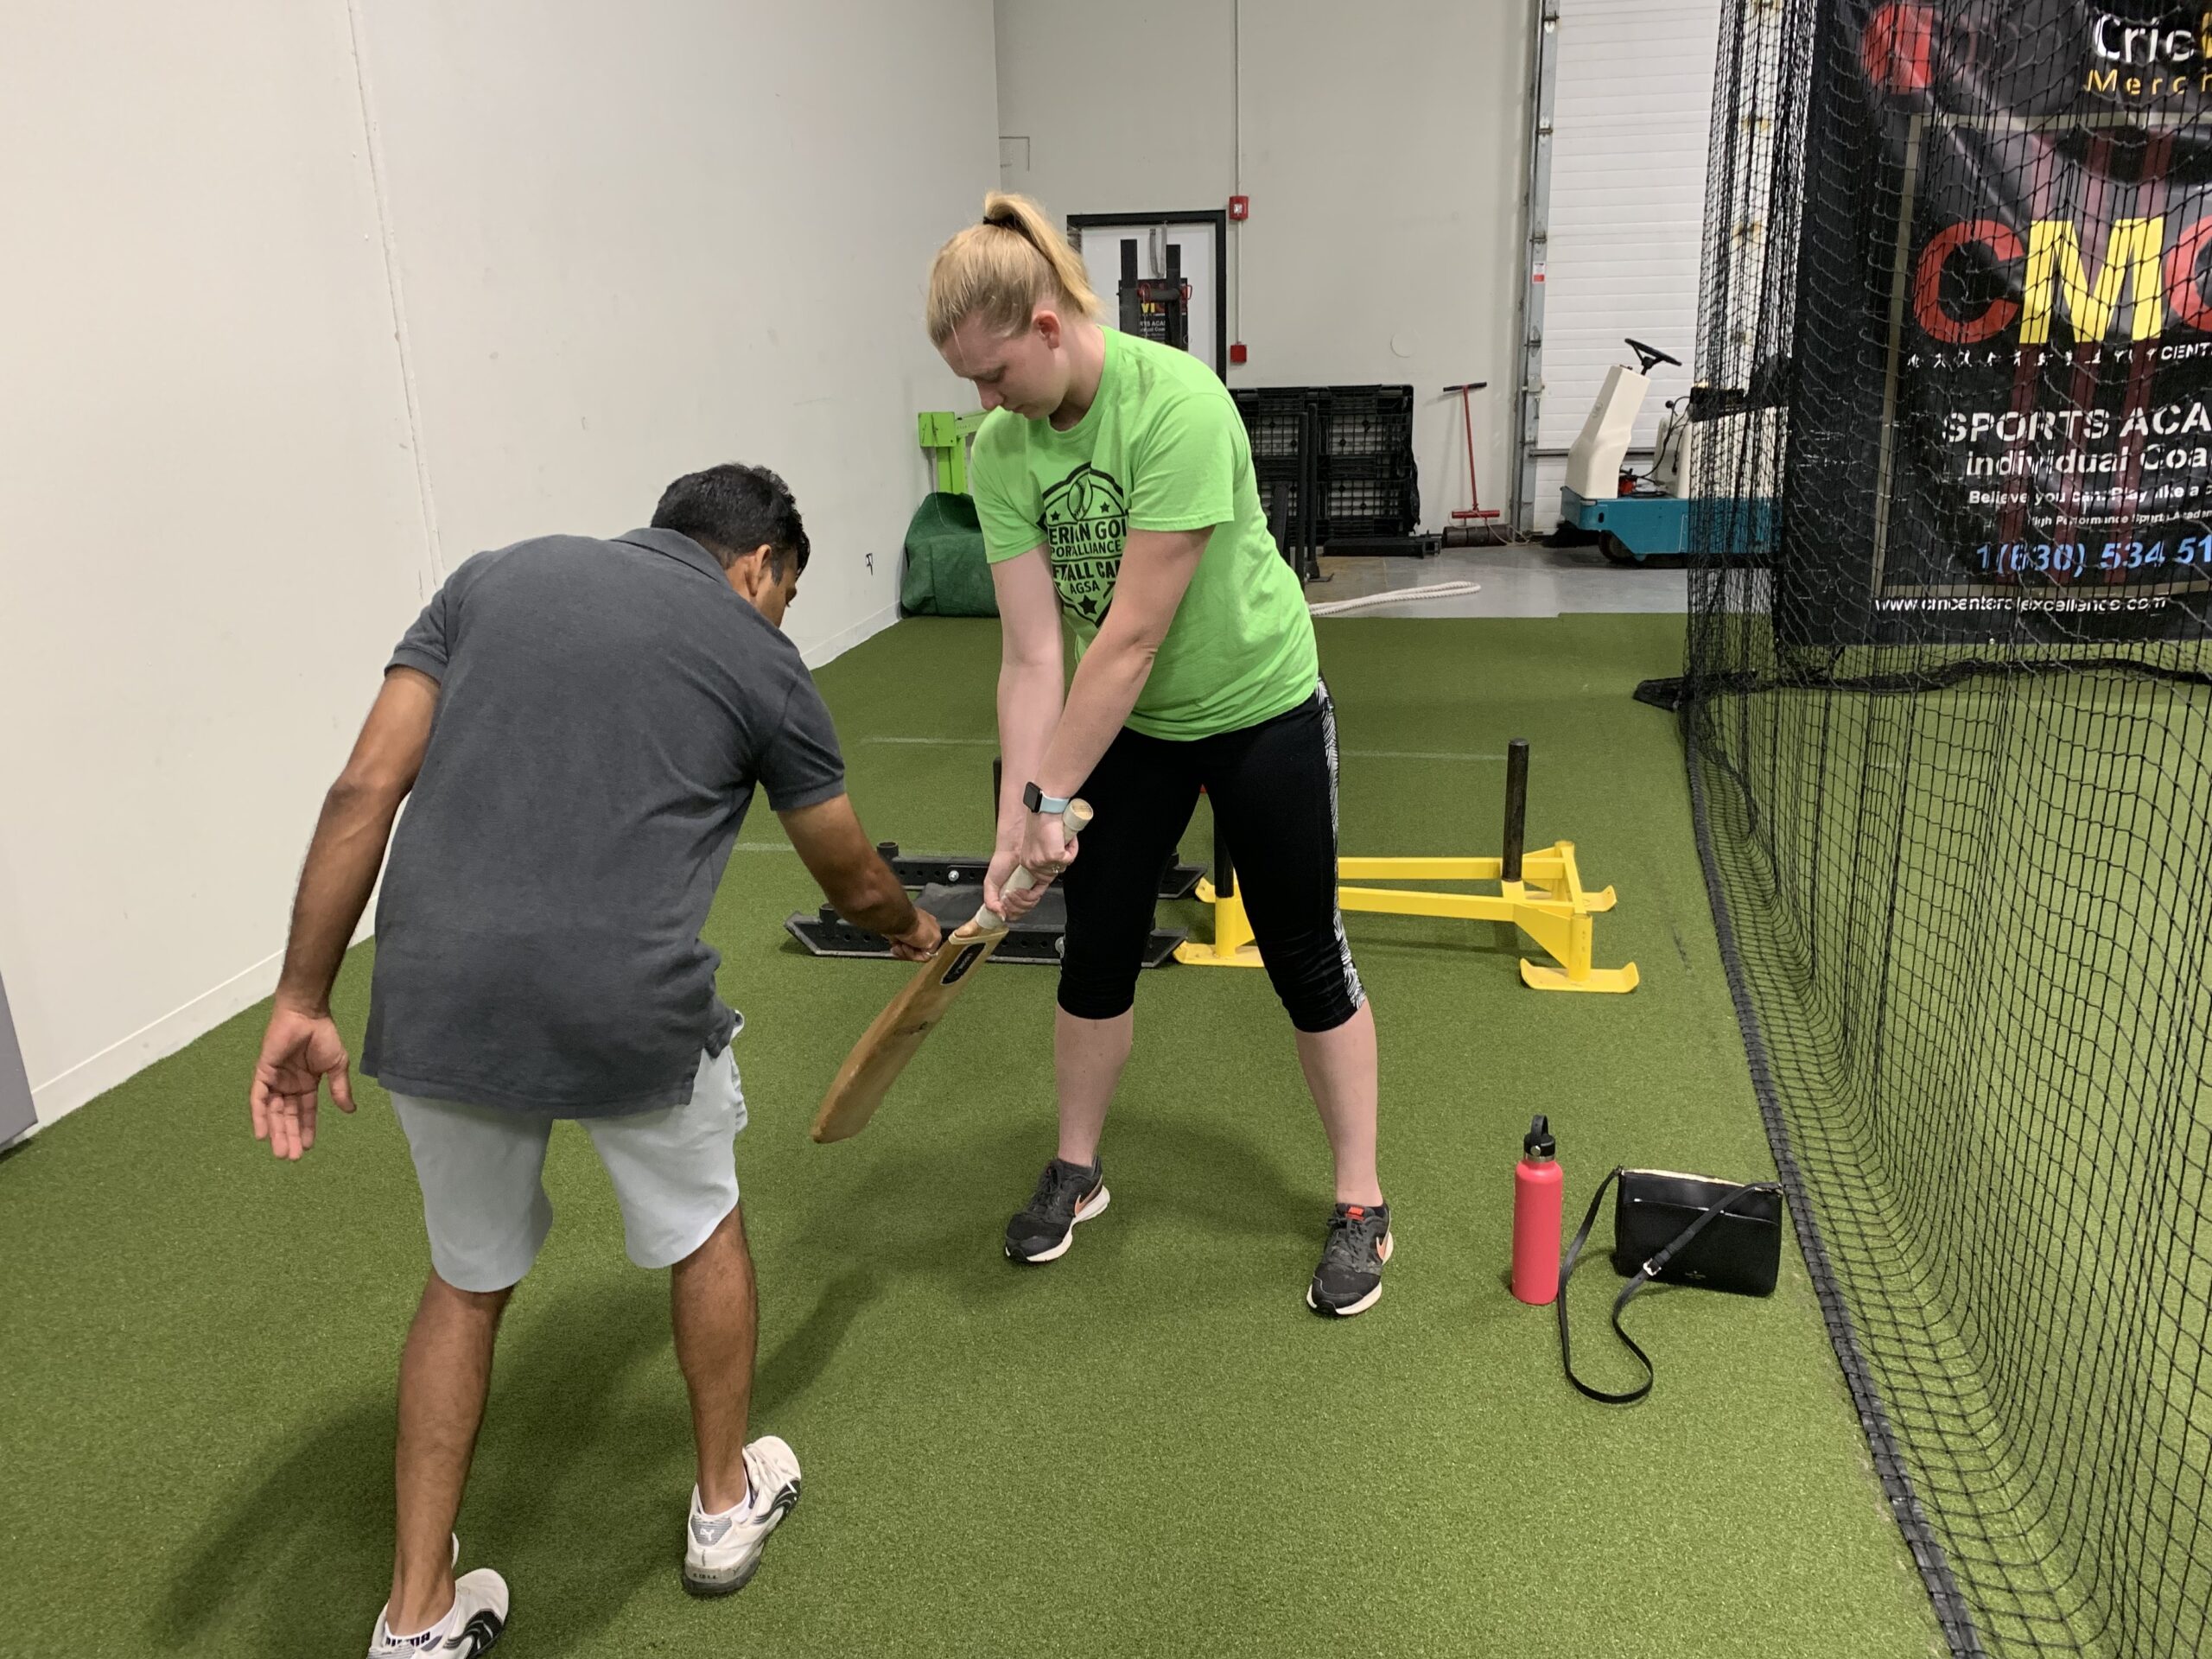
{"x": 891, "y": 1039}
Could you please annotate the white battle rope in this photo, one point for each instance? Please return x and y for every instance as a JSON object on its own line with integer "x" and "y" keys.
{"x": 1395, "y": 596}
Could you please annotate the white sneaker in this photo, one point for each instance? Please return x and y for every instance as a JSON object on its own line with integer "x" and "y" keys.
{"x": 723, "y": 1552}
{"x": 470, "y": 1627}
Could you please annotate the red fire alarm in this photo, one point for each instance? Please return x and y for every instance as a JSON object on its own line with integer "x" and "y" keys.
{"x": 1237, "y": 353}
{"x": 1240, "y": 207}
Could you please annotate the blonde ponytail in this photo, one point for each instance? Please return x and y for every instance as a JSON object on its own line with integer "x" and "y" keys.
{"x": 1003, "y": 269}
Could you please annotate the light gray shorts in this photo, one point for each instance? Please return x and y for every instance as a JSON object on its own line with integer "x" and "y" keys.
{"x": 481, "y": 1170}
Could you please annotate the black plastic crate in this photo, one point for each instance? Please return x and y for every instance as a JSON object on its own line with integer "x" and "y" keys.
{"x": 1415, "y": 545}
{"x": 1351, "y": 528}
{"x": 1275, "y": 437}
{"x": 1394, "y": 466}
{"x": 1271, "y": 400}
{"x": 1393, "y": 498}
{"x": 1332, "y": 464}
{"x": 1376, "y": 494}
{"x": 1367, "y": 421}
{"x": 1274, "y": 419}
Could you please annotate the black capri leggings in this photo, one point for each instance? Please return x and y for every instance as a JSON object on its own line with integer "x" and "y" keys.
{"x": 1273, "y": 789}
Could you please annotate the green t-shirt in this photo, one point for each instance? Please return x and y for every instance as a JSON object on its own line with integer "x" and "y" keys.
{"x": 1161, "y": 447}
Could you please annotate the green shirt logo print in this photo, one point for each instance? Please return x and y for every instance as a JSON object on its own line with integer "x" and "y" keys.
{"x": 1086, "y": 523}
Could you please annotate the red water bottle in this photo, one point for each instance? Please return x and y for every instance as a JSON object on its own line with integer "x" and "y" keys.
{"x": 1538, "y": 1189}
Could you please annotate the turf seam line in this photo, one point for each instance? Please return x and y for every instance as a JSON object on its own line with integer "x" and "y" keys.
{"x": 1417, "y": 754}
{"x": 1353, "y": 754}
{"x": 1953, "y": 1614}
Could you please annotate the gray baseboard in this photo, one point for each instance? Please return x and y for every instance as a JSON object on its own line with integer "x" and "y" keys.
{"x": 17, "y": 1116}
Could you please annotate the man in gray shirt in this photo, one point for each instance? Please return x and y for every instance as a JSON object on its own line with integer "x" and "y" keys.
{"x": 577, "y": 726}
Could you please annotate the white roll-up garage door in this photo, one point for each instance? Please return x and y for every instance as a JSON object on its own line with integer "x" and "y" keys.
{"x": 1630, "y": 119}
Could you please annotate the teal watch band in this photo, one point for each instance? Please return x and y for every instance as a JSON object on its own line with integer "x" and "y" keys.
{"x": 1037, "y": 801}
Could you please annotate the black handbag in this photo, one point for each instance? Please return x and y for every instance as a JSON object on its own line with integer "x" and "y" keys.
{"x": 1679, "y": 1229}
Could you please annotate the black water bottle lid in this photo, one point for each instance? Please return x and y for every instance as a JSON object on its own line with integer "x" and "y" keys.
{"x": 1538, "y": 1143}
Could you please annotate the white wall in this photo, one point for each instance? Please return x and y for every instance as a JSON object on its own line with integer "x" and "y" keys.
{"x": 237, "y": 452}
{"x": 1384, "y": 150}
{"x": 211, "y": 522}
{"x": 637, "y": 239}
{"x": 1630, "y": 123}
{"x": 1127, "y": 109}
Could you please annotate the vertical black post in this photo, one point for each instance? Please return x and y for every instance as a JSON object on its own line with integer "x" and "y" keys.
{"x": 1279, "y": 494}
{"x": 1310, "y": 439}
{"x": 1516, "y": 804}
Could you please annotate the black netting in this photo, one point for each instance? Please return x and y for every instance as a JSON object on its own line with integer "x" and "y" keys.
{"x": 1949, "y": 738}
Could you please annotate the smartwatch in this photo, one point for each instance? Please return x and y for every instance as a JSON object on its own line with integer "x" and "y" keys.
{"x": 1037, "y": 801}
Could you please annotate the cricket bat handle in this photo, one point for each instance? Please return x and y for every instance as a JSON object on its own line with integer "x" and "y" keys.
{"x": 1073, "y": 821}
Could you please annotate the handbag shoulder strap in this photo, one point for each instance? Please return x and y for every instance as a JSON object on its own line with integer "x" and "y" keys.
{"x": 1643, "y": 1277}
{"x": 1559, "y": 1300}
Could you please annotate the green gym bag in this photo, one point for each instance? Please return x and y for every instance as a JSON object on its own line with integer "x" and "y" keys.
{"x": 946, "y": 572}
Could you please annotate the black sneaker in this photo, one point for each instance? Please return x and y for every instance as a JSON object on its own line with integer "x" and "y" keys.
{"x": 1349, "y": 1279}
{"x": 1066, "y": 1193}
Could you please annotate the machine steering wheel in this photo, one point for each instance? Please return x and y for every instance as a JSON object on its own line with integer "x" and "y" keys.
{"x": 1646, "y": 357}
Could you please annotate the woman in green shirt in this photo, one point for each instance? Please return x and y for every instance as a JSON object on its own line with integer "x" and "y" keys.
{"x": 1114, "y": 482}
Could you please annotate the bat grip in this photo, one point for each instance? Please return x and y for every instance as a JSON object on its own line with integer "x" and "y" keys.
{"x": 1073, "y": 821}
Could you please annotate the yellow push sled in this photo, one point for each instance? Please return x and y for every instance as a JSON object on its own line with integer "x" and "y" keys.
{"x": 1540, "y": 892}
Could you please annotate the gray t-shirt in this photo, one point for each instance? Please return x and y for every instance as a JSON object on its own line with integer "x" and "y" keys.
{"x": 604, "y": 711}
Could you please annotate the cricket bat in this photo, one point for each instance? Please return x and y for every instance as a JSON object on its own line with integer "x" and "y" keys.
{"x": 885, "y": 1046}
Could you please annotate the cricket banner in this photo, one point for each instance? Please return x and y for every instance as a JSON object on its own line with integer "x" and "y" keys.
{"x": 2000, "y": 408}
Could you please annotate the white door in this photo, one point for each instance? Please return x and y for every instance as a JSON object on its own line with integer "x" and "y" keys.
{"x": 1106, "y": 247}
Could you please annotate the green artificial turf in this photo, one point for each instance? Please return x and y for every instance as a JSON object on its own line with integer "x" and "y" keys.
{"x": 1150, "y": 1447}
